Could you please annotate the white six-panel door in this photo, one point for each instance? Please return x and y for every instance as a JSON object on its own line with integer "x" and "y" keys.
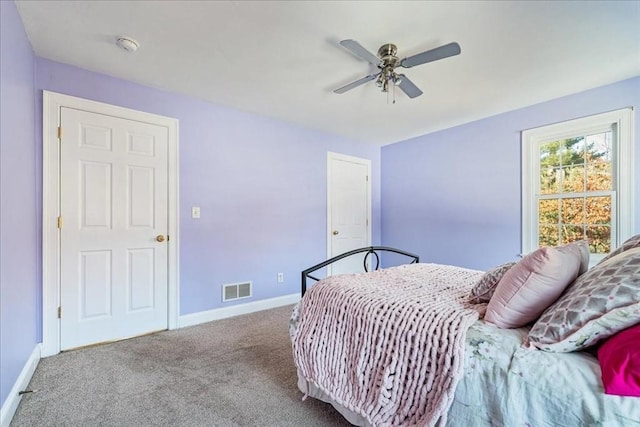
{"x": 113, "y": 237}
{"x": 349, "y": 209}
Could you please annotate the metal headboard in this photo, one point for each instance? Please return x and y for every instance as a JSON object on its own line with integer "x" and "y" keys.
{"x": 306, "y": 274}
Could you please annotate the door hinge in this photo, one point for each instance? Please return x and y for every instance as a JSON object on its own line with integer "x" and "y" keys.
{"x": 60, "y": 222}
{"x": 367, "y": 178}
{"x": 367, "y": 222}
{"x": 167, "y": 237}
{"x": 59, "y": 312}
{"x": 59, "y": 132}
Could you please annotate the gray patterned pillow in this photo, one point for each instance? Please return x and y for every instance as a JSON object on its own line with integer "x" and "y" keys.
{"x": 633, "y": 242}
{"x": 601, "y": 302}
{"x": 483, "y": 290}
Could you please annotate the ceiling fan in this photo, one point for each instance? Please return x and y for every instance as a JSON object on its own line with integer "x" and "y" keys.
{"x": 387, "y": 62}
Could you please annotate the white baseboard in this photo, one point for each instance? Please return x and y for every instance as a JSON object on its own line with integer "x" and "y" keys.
{"x": 235, "y": 310}
{"x": 13, "y": 399}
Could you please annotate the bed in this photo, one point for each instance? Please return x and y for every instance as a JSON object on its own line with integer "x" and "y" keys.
{"x": 366, "y": 343}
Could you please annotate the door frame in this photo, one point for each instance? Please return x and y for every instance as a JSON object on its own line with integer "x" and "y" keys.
{"x": 331, "y": 156}
{"x": 51, "y": 105}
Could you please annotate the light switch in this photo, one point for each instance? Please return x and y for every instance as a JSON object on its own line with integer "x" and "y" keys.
{"x": 195, "y": 212}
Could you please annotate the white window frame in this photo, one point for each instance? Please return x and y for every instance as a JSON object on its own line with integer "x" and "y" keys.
{"x": 623, "y": 172}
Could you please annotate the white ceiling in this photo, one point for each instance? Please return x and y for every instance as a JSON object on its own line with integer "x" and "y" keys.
{"x": 282, "y": 58}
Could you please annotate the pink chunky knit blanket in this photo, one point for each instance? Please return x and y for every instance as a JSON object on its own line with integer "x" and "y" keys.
{"x": 387, "y": 345}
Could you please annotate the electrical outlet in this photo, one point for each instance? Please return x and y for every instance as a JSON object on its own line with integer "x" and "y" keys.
{"x": 280, "y": 277}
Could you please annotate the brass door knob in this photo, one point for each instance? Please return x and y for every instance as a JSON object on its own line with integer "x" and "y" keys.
{"x": 336, "y": 232}
{"x": 160, "y": 238}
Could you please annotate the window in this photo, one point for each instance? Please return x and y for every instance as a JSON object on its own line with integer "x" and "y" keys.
{"x": 577, "y": 183}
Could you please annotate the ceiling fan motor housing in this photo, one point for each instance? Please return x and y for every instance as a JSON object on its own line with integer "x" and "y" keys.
{"x": 387, "y": 54}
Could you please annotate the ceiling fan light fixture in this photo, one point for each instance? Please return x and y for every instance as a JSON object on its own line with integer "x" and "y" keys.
{"x": 385, "y": 85}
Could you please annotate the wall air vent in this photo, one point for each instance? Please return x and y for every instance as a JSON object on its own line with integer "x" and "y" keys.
{"x": 234, "y": 291}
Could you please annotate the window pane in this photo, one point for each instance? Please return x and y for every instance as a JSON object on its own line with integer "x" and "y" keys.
{"x": 571, "y": 233}
{"x": 598, "y": 147}
{"x": 550, "y": 154}
{"x": 549, "y": 181}
{"x": 573, "y": 151}
{"x": 548, "y": 235}
{"x": 572, "y": 211}
{"x": 573, "y": 179}
{"x": 599, "y": 237}
{"x": 599, "y": 176}
{"x": 548, "y": 212}
{"x": 598, "y": 210}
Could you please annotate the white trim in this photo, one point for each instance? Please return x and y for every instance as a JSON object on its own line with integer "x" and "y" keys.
{"x": 22, "y": 382}
{"x": 337, "y": 156}
{"x": 52, "y": 102}
{"x": 625, "y": 153}
{"x": 236, "y": 310}
{"x": 173, "y": 276}
{"x": 531, "y": 139}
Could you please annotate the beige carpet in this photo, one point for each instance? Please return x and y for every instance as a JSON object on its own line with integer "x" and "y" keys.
{"x": 232, "y": 372}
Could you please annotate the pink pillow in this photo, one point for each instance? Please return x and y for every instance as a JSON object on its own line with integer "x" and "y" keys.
{"x": 532, "y": 285}
{"x": 619, "y": 358}
{"x": 581, "y": 247}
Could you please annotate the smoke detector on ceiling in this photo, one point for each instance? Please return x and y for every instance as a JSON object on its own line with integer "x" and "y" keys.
{"x": 127, "y": 43}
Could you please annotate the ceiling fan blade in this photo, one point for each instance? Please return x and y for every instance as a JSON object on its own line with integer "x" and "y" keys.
{"x": 357, "y": 83}
{"x": 441, "y": 52}
{"x": 357, "y": 49}
{"x": 408, "y": 87}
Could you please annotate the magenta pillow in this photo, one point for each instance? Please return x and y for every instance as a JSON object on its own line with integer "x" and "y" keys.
{"x": 531, "y": 286}
{"x": 619, "y": 358}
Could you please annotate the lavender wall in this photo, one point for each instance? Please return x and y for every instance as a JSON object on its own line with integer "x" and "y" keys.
{"x": 260, "y": 184}
{"x": 19, "y": 253}
{"x": 453, "y": 196}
